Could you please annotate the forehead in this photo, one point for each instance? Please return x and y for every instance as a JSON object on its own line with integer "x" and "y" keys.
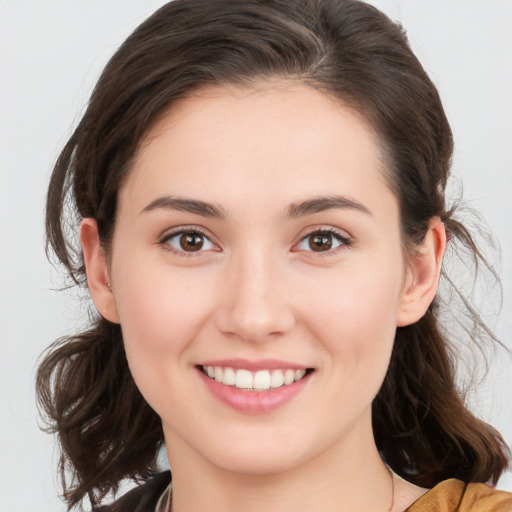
{"x": 278, "y": 136}
{"x": 258, "y": 108}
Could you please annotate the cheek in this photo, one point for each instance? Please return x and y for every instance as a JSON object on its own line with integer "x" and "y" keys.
{"x": 160, "y": 319}
{"x": 160, "y": 312}
{"x": 354, "y": 312}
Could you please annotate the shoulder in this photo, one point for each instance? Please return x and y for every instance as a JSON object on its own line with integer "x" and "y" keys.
{"x": 141, "y": 499}
{"x": 456, "y": 496}
{"x": 482, "y": 497}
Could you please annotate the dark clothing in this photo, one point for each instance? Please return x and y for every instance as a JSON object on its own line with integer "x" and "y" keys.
{"x": 140, "y": 499}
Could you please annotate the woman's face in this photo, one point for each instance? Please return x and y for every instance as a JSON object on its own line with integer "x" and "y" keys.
{"x": 258, "y": 242}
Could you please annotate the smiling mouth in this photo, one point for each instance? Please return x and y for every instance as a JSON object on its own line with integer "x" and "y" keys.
{"x": 262, "y": 380}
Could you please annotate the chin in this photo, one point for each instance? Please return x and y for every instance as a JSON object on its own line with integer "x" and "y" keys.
{"x": 258, "y": 462}
{"x": 261, "y": 453}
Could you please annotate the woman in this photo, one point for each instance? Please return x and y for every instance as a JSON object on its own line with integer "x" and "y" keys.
{"x": 260, "y": 187}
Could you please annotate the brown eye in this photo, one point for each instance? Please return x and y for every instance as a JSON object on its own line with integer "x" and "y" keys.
{"x": 191, "y": 242}
{"x": 320, "y": 242}
{"x": 323, "y": 241}
{"x": 188, "y": 242}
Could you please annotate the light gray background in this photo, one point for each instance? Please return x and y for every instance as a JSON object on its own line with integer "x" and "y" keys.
{"x": 51, "y": 53}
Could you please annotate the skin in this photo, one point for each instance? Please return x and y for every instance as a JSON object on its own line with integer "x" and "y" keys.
{"x": 257, "y": 290}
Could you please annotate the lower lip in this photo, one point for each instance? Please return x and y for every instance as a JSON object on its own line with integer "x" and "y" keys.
{"x": 254, "y": 402}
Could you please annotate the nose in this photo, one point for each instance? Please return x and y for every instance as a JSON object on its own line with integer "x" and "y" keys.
{"x": 256, "y": 302}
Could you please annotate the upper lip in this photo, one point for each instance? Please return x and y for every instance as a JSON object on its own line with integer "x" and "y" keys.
{"x": 261, "y": 364}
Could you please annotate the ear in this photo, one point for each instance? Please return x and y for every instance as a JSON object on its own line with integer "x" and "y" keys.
{"x": 423, "y": 275}
{"x": 96, "y": 267}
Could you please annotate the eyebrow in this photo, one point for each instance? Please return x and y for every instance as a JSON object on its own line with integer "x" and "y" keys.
{"x": 205, "y": 209}
{"x": 323, "y": 203}
{"x": 181, "y": 204}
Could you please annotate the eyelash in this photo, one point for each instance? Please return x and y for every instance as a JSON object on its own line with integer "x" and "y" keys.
{"x": 164, "y": 241}
{"x": 344, "y": 241}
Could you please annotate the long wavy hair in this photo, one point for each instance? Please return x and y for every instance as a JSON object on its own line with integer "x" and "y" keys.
{"x": 347, "y": 49}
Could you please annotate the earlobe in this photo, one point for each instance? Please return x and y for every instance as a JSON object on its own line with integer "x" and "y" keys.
{"x": 423, "y": 275}
{"x": 97, "y": 271}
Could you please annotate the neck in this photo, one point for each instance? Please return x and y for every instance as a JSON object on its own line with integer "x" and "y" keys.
{"x": 351, "y": 478}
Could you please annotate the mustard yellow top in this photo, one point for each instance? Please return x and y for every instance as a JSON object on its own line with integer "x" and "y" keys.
{"x": 456, "y": 496}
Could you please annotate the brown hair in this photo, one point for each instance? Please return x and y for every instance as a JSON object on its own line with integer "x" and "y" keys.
{"x": 347, "y": 49}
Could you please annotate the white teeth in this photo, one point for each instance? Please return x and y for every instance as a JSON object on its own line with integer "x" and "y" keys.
{"x": 229, "y": 377}
{"x": 289, "y": 377}
{"x": 243, "y": 379}
{"x": 299, "y": 374}
{"x": 261, "y": 380}
{"x": 277, "y": 379}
